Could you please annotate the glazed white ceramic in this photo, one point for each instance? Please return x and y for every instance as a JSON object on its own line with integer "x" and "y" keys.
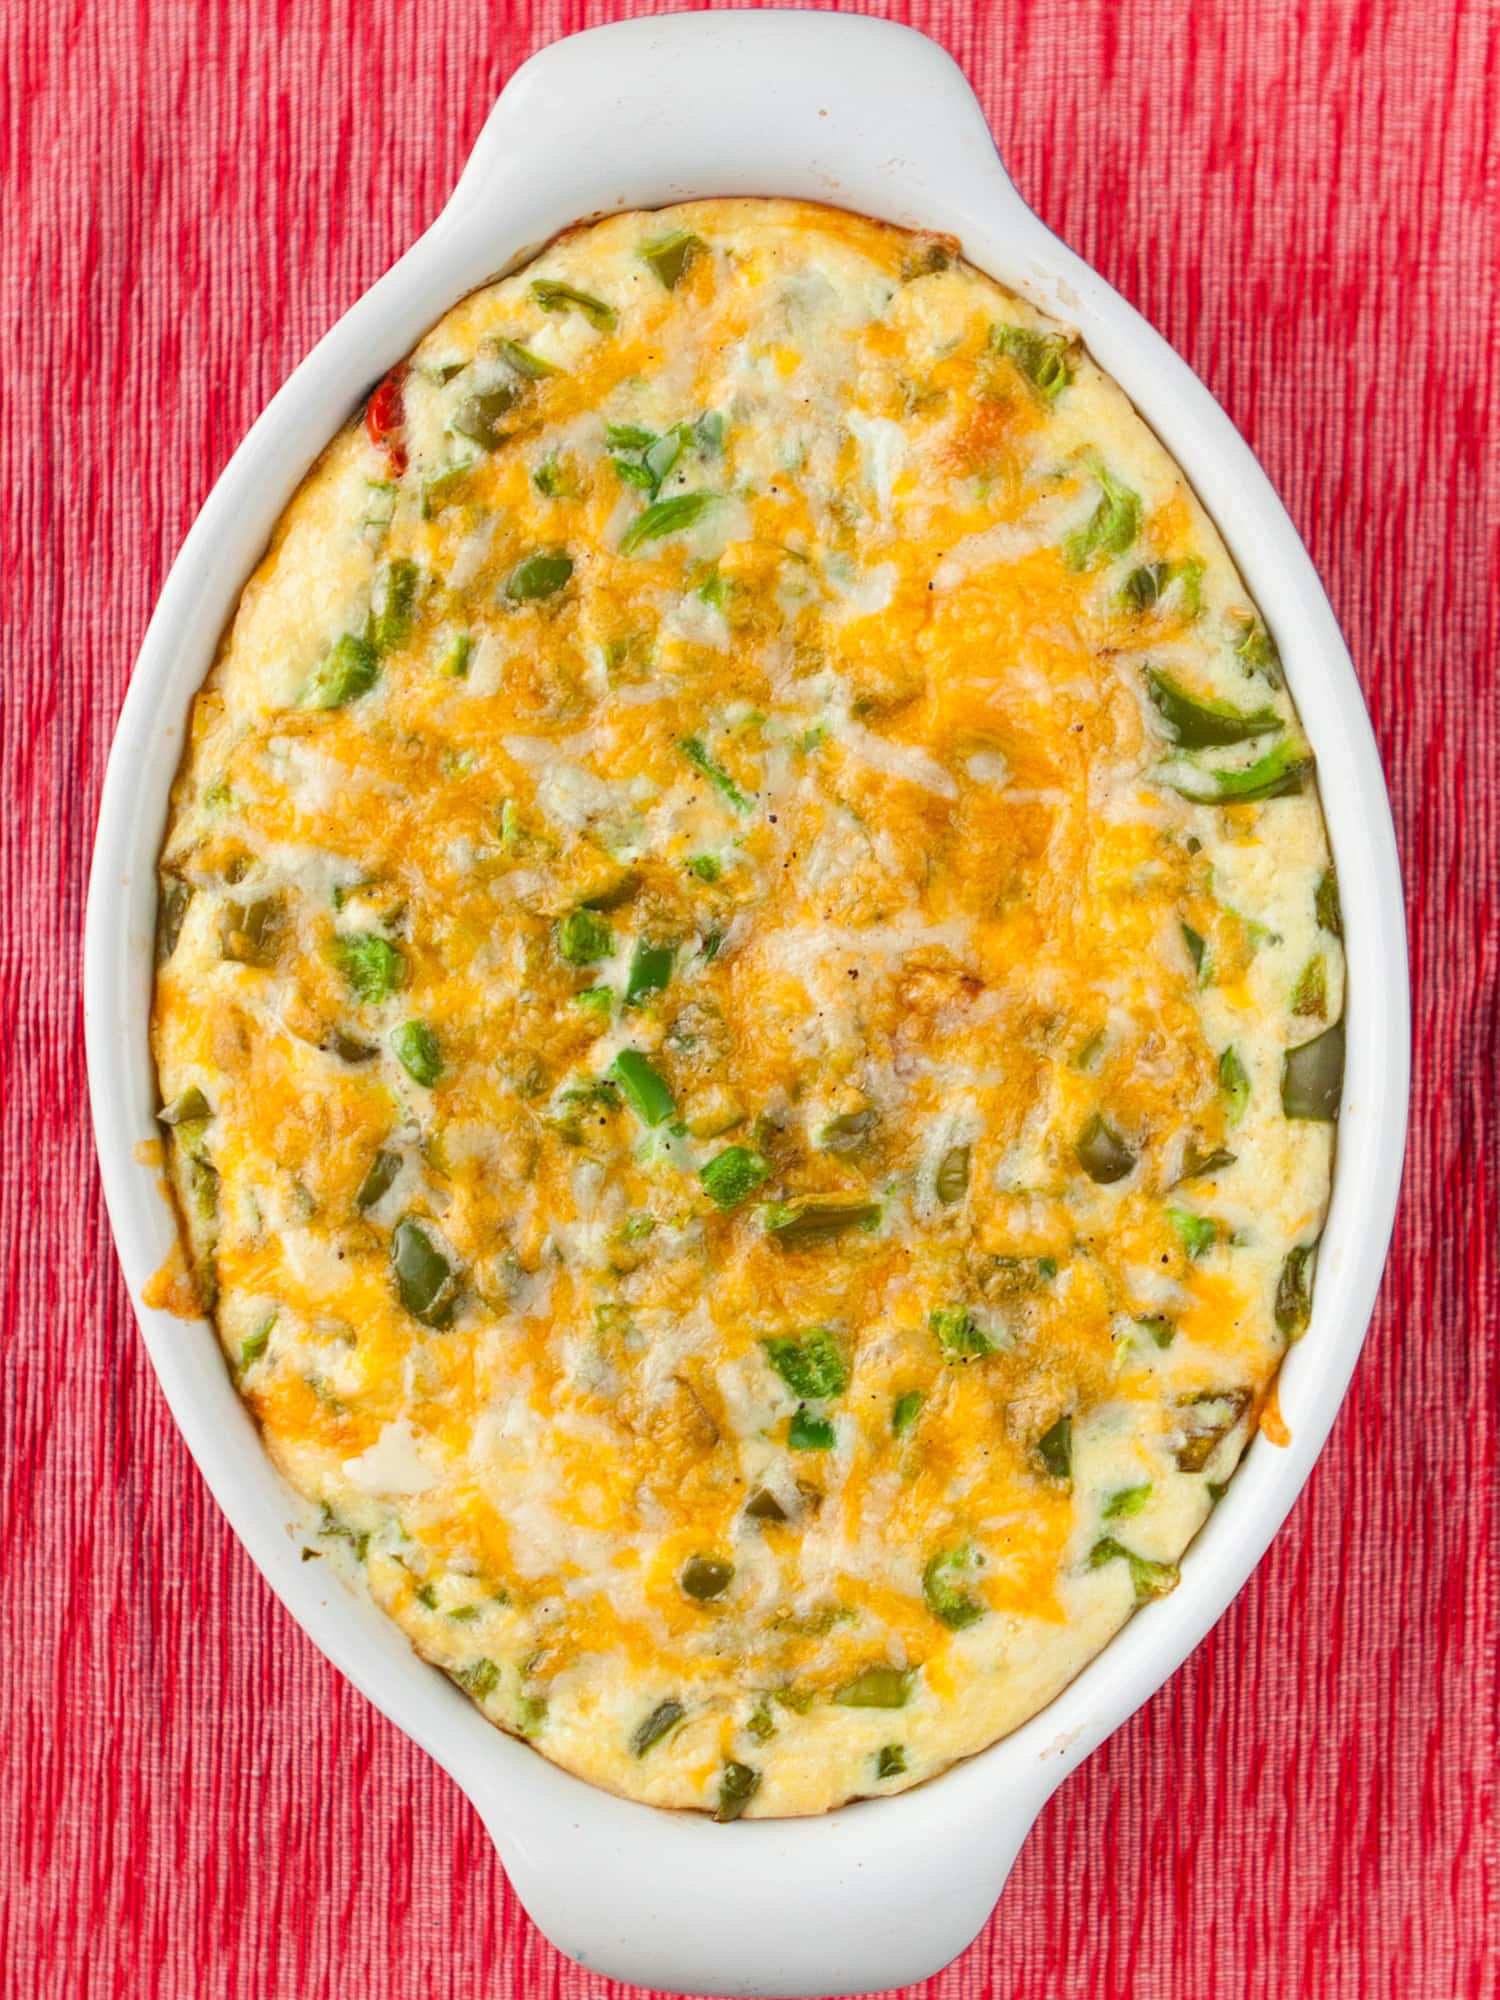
{"x": 874, "y": 118}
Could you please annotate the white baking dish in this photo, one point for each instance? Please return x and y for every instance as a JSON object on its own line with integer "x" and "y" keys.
{"x": 875, "y": 118}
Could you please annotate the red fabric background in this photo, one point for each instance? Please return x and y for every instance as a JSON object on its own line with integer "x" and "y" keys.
{"x": 192, "y": 1804}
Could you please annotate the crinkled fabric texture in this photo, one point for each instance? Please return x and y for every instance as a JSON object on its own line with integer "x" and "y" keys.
{"x": 192, "y": 1804}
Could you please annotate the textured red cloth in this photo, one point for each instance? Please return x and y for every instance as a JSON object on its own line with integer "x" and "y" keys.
{"x": 193, "y": 1805}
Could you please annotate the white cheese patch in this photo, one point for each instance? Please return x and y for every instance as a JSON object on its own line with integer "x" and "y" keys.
{"x": 397, "y": 1465}
{"x": 897, "y": 760}
{"x": 883, "y": 447}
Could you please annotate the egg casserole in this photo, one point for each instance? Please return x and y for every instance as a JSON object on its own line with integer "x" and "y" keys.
{"x": 749, "y": 1005}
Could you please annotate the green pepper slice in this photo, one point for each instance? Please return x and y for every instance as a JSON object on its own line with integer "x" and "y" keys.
{"x": 1284, "y": 769}
{"x": 716, "y": 775}
{"x": 703, "y": 1578}
{"x": 1310, "y": 994}
{"x": 480, "y": 1679}
{"x": 479, "y": 417}
{"x": 379, "y": 1178}
{"x": 1203, "y": 722}
{"x": 650, "y": 970}
{"x": 1150, "y": 1579}
{"x": 1293, "y": 1297}
{"x": 372, "y": 966}
{"x": 1198, "y": 1166}
{"x": 657, "y": 460}
{"x": 251, "y": 933}
{"x": 1234, "y": 1085}
{"x": 425, "y": 1279}
{"x": 1257, "y": 649}
{"x": 738, "y": 1784}
{"x": 188, "y": 1106}
{"x": 732, "y": 1176}
{"x": 439, "y": 487}
{"x": 635, "y": 472}
{"x": 877, "y": 1687}
{"x": 1055, "y": 1448}
{"x": 1142, "y": 589}
{"x": 202, "y": 1179}
{"x": 660, "y": 1722}
{"x": 553, "y": 297}
{"x": 807, "y": 1432}
{"x": 1208, "y": 1418}
{"x": 1326, "y": 903}
{"x": 1113, "y": 525}
{"x": 555, "y": 480}
{"x": 416, "y": 1049}
{"x": 905, "y": 1411}
{"x": 946, "y": 1600}
{"x": 531, "y": 366}
{"x": 812, "y": 1219}
{"x": 171, "y": 910}
{"x": 583, "y": 938}
{"x": 1312, "y": 1076}
{"x": 392, "y": 624}
{"x": 254, "y": 1345}
{"x": 1128, "y": 1501}
{"x": 666, "y": 517}
{"x": 1196, "y": 1233}
{"x": 1149, "y": 583}
{"x": 809, "y": 1363}
{"x": 454, "y": 665}
{"x": 531, "y": 1713}
{"x": 959, "y": 1334}
{"x": 1043, "y": 360}
{"x": 345, "y": 672}
{"x": 1102, "y": 1153}
{"x": 671, "y": 257}
{"x": 539, "y": 576}
{"x": 953, "y": 1175}
{"x": 644, "y": 1090}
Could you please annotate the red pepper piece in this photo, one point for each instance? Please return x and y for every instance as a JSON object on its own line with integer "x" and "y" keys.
{"x": 384, "y": 417}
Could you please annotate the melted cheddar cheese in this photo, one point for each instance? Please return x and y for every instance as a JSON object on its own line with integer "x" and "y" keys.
{"x": 748, "y": 1005}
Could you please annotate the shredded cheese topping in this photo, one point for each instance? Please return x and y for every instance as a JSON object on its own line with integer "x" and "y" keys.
{"x": 748, "y": 1006}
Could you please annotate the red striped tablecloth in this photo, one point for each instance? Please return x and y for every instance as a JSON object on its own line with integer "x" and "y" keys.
{"x": 192, "y": 1804}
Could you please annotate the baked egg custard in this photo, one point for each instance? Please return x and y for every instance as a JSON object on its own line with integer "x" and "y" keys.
{"x": 749, "y": 1005}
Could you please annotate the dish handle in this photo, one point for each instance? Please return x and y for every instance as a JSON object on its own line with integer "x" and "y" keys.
{"x": 868, "y": 115}
{"x": 871, "y": 1896}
